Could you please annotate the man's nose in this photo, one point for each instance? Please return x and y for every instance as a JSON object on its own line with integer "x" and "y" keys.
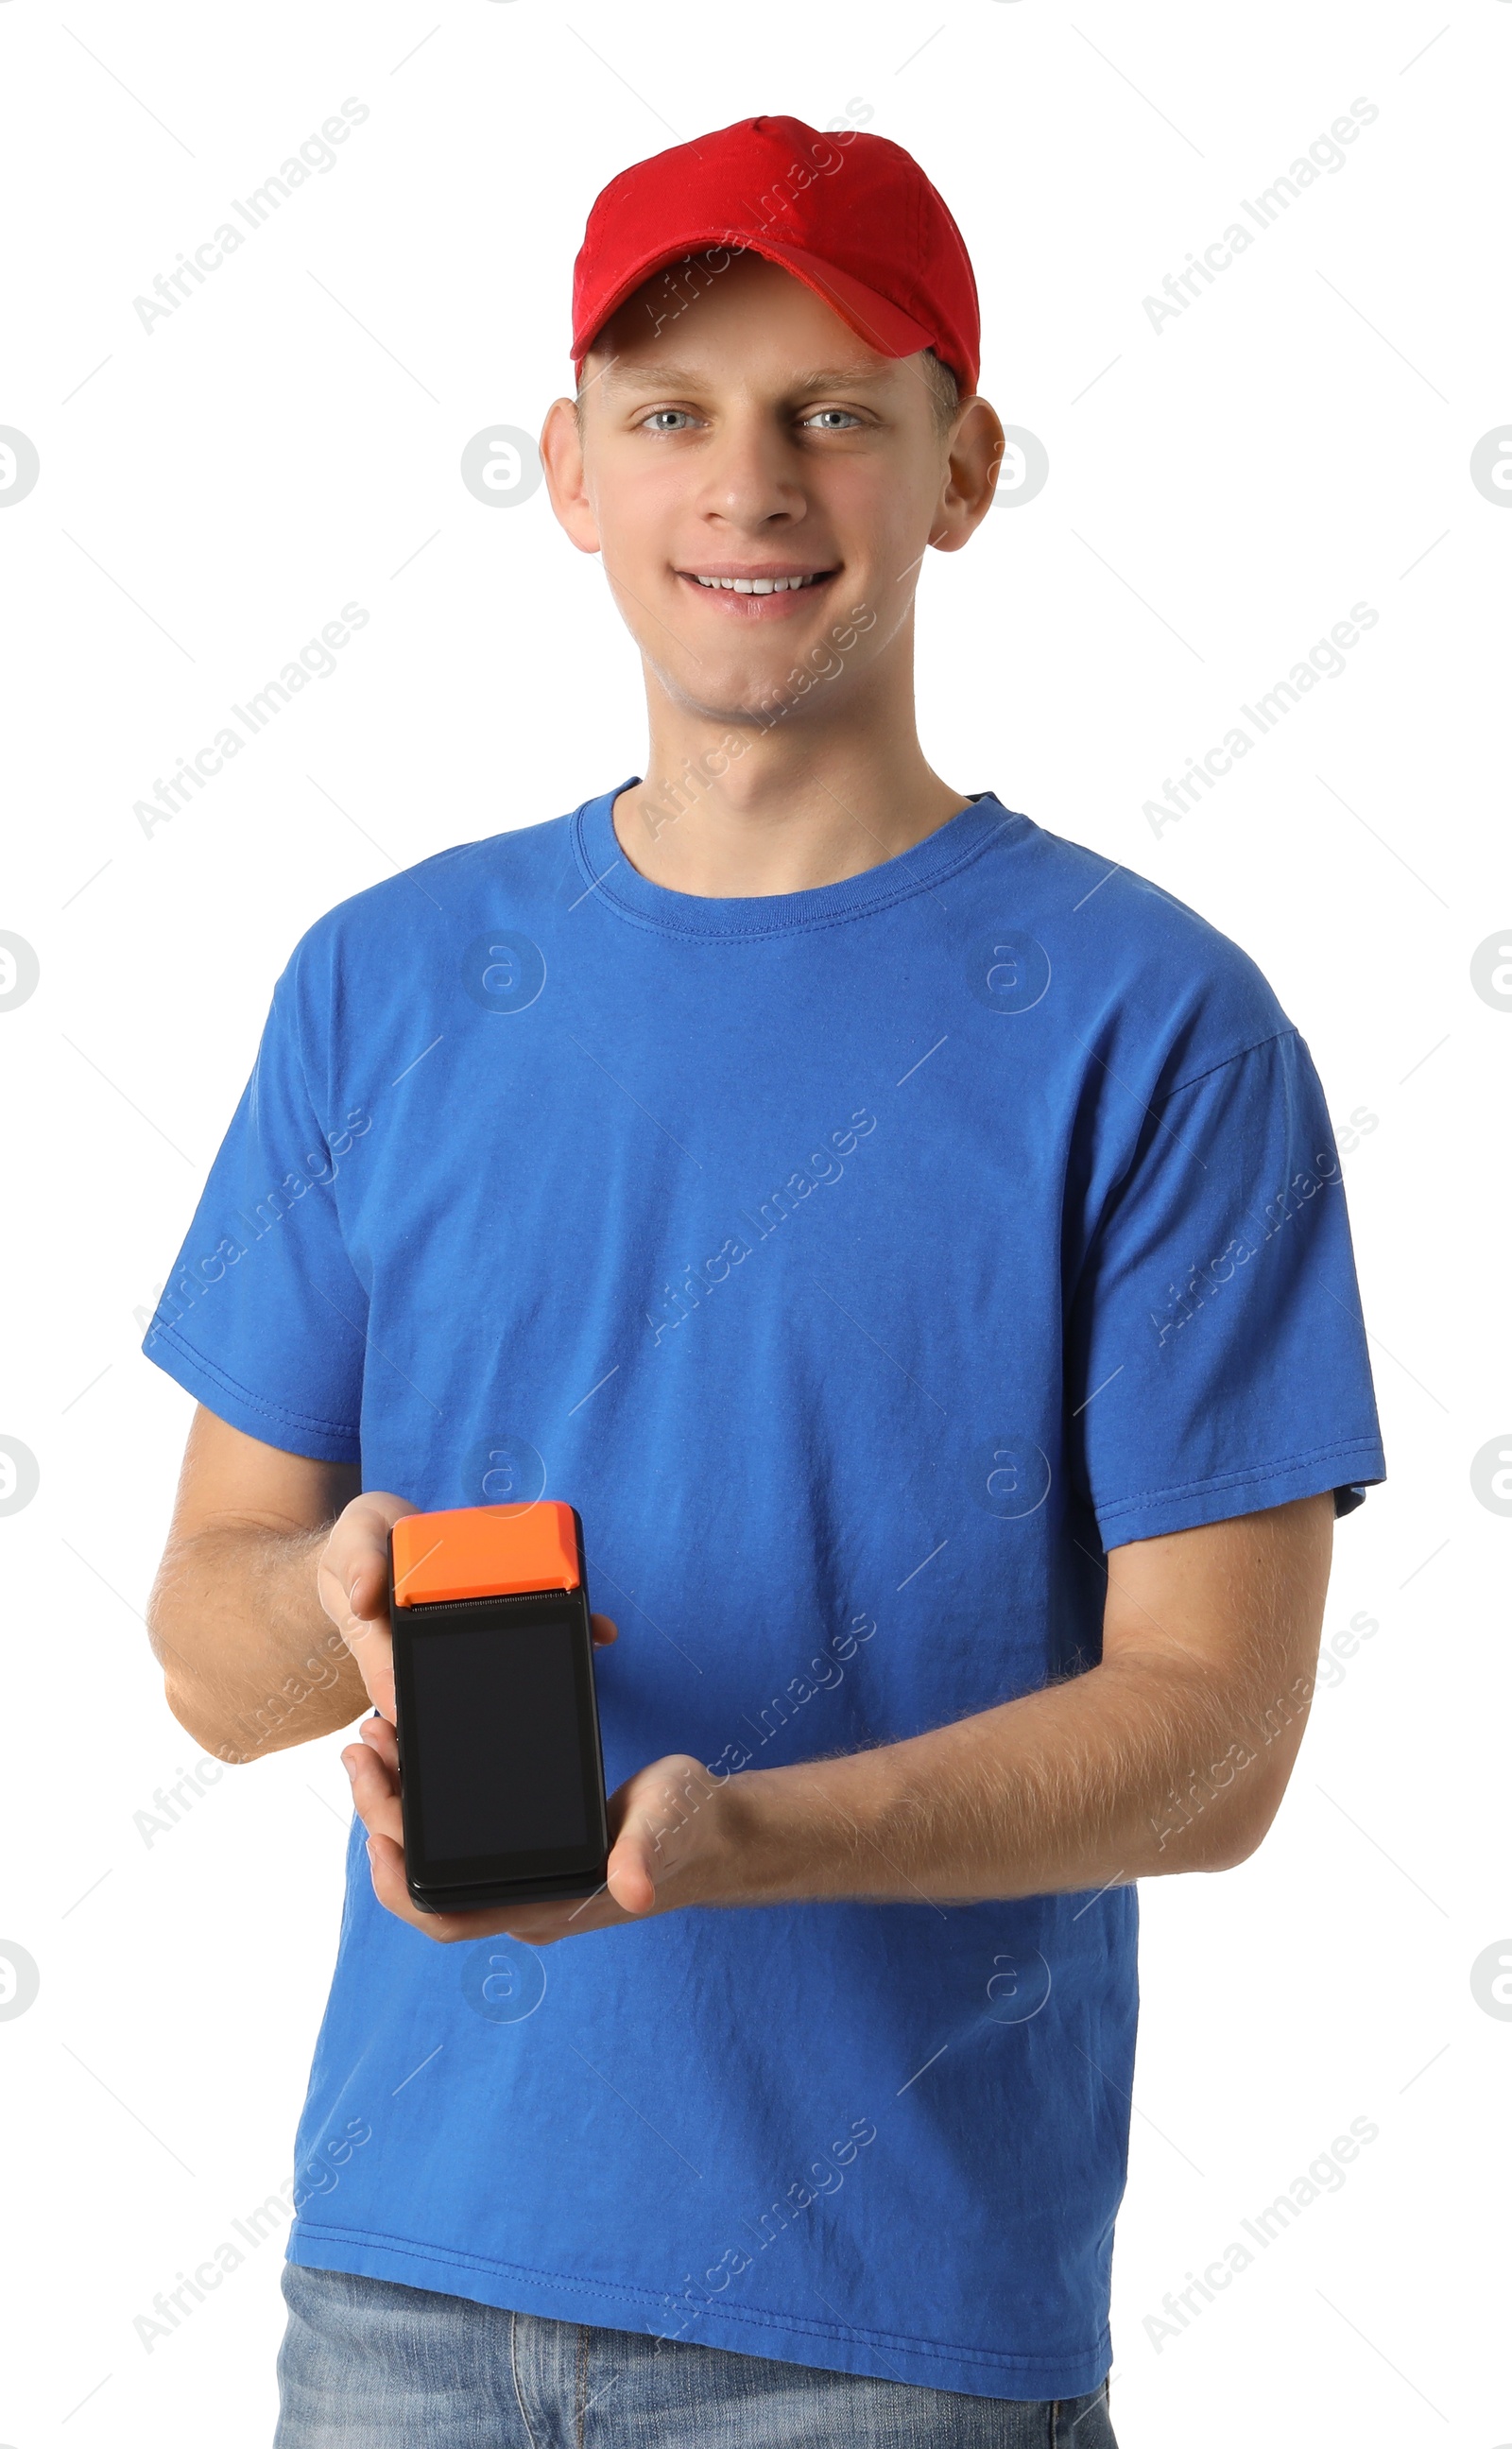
{"x": 750, "y": 479}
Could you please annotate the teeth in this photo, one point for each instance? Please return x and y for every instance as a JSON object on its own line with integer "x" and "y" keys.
{"x": 759, "y": 585}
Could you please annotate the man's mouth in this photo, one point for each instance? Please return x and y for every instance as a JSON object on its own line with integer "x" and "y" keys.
{"x": 761, "y": 586}
{"x": 772, "y": 589}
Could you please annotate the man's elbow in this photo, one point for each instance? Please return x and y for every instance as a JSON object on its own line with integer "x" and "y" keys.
{"x": 183, "y": 1688}
{"x": 1237, "y": 1847}
{"x": 1266, "y": 1756}
{"x": 1242, "y": 1830}
{"x": 207, "y": 1728}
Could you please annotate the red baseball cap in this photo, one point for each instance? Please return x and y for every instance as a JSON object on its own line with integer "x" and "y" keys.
{"x": 852, "y": 216}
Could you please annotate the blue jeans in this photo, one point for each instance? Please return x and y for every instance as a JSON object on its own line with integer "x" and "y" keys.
{"x": 369, "y": 2365}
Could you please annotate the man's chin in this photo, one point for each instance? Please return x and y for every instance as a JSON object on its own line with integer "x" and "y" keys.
{"x": 747, "y": 699}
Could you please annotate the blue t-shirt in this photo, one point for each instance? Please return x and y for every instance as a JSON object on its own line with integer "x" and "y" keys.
{"x": 863, "y": 1263}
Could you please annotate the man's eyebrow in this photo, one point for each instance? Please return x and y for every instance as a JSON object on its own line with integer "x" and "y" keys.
{"x": 844, "y": 377}
{"x": 624, "y": 374}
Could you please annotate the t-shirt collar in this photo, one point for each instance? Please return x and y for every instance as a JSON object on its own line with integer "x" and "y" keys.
{"x": 610, "y": 876}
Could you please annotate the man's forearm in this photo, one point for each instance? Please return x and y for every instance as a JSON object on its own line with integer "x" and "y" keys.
{"x": 251, "y": 1661}
{"x": 1171, "y": 1754}
{"x": 1123, "y": 1772}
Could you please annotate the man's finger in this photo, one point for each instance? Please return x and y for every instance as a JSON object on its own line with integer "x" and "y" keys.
{"x": 368, "y": 1587}
{"x": 386, "y": 1858}
{"x": 380, "y": 1737}
{"x": 374, "y": 1793}
{"x": 629, "y": 1877}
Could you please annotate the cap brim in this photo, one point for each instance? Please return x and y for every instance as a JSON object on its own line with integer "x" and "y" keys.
{"x": 883, "y": 326}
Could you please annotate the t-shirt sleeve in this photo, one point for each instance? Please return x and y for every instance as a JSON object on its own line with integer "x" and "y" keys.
{"x": 262, "y": 1318}
{"x": 1217, "y": 1356}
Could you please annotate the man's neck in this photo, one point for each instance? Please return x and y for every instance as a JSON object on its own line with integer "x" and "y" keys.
{"x": 822, "y": 793}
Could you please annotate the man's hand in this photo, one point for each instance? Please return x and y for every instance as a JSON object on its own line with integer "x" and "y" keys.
{"x": 669, "y": 1827}
{"x": 270, "y": 1611}
{"x": 352, "y": 1580}
{"x": 351, "y": 1577}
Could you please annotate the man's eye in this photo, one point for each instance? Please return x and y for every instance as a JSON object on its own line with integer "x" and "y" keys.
{"x": 666, "y": 420}
{"x": 832, "y": 420}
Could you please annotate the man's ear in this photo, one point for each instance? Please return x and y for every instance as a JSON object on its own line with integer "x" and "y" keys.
{"x": 977, "y": 443}
{"x": 561, "y": 459}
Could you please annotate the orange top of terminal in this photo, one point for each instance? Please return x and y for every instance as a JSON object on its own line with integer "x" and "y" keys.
{"x": 478, "y": 1551}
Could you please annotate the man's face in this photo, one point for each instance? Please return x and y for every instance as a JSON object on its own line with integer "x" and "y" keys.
{"x": 734, "y": 428}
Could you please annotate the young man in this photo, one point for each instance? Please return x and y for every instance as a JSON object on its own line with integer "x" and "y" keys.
{"x": 917, "y": 1247}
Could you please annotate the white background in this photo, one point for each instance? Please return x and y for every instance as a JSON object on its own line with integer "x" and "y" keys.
{"x": 1221, "y": 492}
